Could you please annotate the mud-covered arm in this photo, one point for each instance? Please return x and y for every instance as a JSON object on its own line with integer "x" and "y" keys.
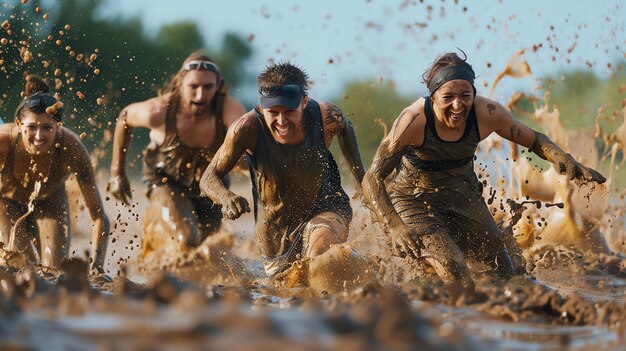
{"x": 336, "y": 123}
{"x": 495, "y": 117}
{"x": 407, "y": 130}
{"x": 241, "y": 136}
{"x": 80, "y": 163}
{"x": 146, "y": 114}
{"x": 563, "y": 162}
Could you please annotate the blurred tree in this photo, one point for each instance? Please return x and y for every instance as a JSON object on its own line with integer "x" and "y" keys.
{"x": 98, "y": 66}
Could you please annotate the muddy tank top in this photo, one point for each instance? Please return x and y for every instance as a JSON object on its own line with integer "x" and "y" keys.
{"x": 17, "y": 187}
{"x": 178, "y": 163}
{"x": 293, "y": 183}
{"x": 438, "y": 166}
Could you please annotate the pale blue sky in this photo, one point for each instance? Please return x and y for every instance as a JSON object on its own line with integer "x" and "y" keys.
{"x": 397, "y": 40}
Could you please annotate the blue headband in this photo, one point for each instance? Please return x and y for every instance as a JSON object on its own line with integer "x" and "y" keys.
{"x": 449, "y": 73}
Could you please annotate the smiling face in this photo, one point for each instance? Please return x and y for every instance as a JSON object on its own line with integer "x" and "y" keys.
{"x": 286, "y": 124}
{"x": 38, "y": 132}
{"x": 197, "y": 91}
{"x": 452, "y": 103}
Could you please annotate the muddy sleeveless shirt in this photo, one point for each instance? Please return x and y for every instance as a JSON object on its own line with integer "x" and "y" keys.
{"x": 17, "y": 187}
{"x": 180, "y": 164}
{"x": 438, "y": 172}
{"x": 293, "y": 183}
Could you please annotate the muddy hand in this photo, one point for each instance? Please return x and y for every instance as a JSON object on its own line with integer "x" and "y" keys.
{"x": 566, "y": 164}
{"x": 235, "y": 206}
{"x": 402, "y": 243}
{"x": 119, "y": 187}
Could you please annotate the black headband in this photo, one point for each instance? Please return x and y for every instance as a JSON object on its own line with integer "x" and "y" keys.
{"x": 39, "y": 102}
{"x": 449, "y": 73}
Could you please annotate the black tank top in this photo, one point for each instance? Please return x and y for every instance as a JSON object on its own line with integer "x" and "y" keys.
{"x": 437, "y": 163}
{"x": 179, "y": 163}
{"x": 293, "y": 183}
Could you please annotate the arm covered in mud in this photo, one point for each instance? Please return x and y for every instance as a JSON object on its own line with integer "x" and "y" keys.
{"x": 241, "y": 136}
{"x": 80, "y": 163}
{"x": 147, "y": 114}
{"x": 336, "y": 123}
{"x": 405, "y": 131}
{"x": 563, "y": 161}
{"x": 495, "y": 117}
{"x": 118, "y": 184}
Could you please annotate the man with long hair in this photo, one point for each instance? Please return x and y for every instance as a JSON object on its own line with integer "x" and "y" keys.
{"x": 187, "y": 123}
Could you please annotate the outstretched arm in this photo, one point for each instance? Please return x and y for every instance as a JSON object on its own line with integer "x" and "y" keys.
{"x": 80, "y": 164}
{"x": 495, "y": 117}
{"x": 406, "y": 130}
{"x": 336, "y": 123}
{"x": 147, "y": 114}
{"x": 241, "y": 136}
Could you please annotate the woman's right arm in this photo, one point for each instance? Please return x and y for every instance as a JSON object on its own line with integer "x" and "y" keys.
{"x": 408, "y": 129}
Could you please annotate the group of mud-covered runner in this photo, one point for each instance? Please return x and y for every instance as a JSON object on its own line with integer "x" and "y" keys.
{"x": 432, "y": 210}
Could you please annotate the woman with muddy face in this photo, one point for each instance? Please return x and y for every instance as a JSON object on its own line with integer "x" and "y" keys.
{"x": 434, "y": 209}
{"x": 37, "y": 155}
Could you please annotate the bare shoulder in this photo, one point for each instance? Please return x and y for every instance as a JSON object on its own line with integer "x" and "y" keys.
{"x": 233, "y": 109}
{"x": 245, "y": 124}
{"x": 326, "y": 106}
{"x": 488, "y": 108}
{"x": 412, "y": 116}
{"x": 71, "y": 141}
{"x": 148, "y": 114}
{"x": 409, "y": 126}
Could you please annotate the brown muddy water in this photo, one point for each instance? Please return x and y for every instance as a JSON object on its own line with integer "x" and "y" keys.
{"x": 356, "y": 296}
{"x": 217, "y": 297}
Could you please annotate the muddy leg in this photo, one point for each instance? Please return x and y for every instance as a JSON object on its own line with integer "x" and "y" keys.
{"x": 441, "y": 252}
{"x": 170, "y": 220}
{"x": 51, "y": 217}
{"x": 322, "y": 231}
{"x": 10, "y": 211}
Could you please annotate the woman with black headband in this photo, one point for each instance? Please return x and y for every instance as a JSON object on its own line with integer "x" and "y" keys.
{"x": 37, "y": 155}
{"x": 434, "y": 209}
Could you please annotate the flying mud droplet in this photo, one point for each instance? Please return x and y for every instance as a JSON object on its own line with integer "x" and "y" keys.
{"x": 27, "y": 56}
{"x": 93, "y": 57}
{"x": 83, "y": 135}
{"x": 99, "y": 101}
{"x": 57, "y": 145}
{"x": 80, "y": 95}
{"x": 46, "y": 16}
{"x": 38, "y": 9}
{"x": 52, "y": 110}
{"x": 67, "y": 27}
{"x": 96, "y": 71}
{"x": 6, "y": 25}
{"x": 24, "y": 1}
{"x": 164, "y": 180}
{"x": 4, "y": 41}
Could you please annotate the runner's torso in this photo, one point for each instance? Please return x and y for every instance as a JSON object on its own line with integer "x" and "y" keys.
{"x": 293, "y": 183}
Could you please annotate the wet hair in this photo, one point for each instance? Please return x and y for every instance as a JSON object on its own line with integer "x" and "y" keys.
{"x": 173, "y": 85}
{"x": 282, "y": 73}
{"x": 37, "y": 99}
{"x": 431, "y": 79}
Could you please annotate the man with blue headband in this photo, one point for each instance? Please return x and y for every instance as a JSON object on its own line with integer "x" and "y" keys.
{"x": 434, "y": 209}
{"x": 299, "y": 205}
